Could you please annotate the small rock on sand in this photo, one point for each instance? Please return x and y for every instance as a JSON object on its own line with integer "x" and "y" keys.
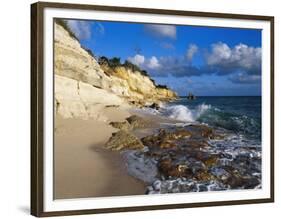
{"x": 123, "y": 140}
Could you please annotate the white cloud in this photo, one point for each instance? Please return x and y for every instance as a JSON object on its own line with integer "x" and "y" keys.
{"x": 191, "y": 51}
{"x": 137, "y": 60}
{"x": 168, "y": 31}
{"x": 145, "y": 63}
{"x": 241, "y": 63}
{"x": 82, "y": 29}
{"x": 241, "y": 57}
{"x": 153, "y": 63}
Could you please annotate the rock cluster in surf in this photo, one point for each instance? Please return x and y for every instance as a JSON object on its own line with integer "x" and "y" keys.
{"x": 190, "y": 159}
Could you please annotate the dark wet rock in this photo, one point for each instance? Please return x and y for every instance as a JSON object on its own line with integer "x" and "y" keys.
{"x": 202, "y": 188}
{"x": 155, "y": 106}
{"x": 125, "y": 125}
{"x": 201, "y": 131}
{"x": 174, "y": 135}
{"x": 196, "y": 144}
{"x": 251, "y": 182}
{"x": 170, "y": 169}
{"x": 167, "y": 144}
{"x": 198, "y": 158}
{"x": 151, "y": 141}
{"x": 211, "y": 161}
{"x": 137, "y": 122}
{"x": 235, "y": 181}
{"x": 203, "y": 175}
{"x": 123, "y": 140}
{"x": 220, "y": 173}
{"x": 165, "y": 139}
{"x": 204, "y": 131}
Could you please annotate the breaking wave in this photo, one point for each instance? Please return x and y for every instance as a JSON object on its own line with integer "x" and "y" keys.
{"x": 183, "y": 113}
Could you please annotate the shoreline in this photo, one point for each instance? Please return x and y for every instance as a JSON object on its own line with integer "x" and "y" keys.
{"x": 171, "y": 156}
{"x": 83, "y": 167}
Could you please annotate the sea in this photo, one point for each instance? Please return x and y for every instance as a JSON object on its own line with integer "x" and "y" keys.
{"x": 238, "y": 118}
{"x": 238, "y": 114}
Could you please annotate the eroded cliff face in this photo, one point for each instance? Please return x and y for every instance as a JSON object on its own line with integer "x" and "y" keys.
{"x": 83, "y": 88}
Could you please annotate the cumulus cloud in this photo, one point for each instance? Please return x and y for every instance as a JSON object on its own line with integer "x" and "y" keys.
{"x": 145, "y": 63}
{"x": 241, "y": 63}
{"x": 82, "y": 29}
{"x": 163, "y": 66}
{"x": 137, "y": 60}
{"x": 153, "y": 63}
{"x": 191, "y": 51}
{"x": 168, "y": 31}
{"x": 242, "y": 58}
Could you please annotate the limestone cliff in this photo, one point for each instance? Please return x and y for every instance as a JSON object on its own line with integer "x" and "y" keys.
{"x": 83, "y": 87}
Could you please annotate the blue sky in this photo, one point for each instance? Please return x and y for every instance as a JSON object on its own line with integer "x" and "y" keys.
{"x": 207, "y": 61}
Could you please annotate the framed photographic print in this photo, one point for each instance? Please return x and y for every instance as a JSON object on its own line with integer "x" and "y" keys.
{"x": 140, "y": 109}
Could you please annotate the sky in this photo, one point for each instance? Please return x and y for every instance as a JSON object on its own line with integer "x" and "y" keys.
{"x": 207, "y": 61}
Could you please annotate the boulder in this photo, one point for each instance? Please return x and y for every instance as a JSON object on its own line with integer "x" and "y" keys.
{"x": 170, "y": 169}
{"x": 201, "y": 131}
{"x": 165, "y": 139}
{"x": 121, "y": 125}
{"x": 137, "y": 122}
{"x": 123, "y": 140}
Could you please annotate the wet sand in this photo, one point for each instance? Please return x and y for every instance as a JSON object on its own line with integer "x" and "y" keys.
{"x": 83, "y": 168}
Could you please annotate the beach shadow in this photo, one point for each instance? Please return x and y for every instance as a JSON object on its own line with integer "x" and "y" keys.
{"x": 24, "y": 209}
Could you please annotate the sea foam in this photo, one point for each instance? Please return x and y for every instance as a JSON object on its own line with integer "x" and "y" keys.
{"x": 183, "y": 113}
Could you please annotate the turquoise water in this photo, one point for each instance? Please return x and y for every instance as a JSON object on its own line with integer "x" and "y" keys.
{"x": 241, "y": 115}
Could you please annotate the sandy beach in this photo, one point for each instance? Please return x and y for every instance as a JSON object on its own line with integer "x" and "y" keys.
{"x": 119, "y": 131}
{"x": 83, "y": 167}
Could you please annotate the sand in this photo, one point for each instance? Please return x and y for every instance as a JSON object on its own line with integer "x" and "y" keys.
{"x": 83, "y": 167}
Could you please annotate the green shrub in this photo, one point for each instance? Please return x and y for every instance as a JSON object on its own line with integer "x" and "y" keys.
{"x": 131, "y": 66}
{"x": 89, "y": 52}
{"x": 114, "y": 62}
{"x": 103, "y": 60}
{"x": 162, "y": 86}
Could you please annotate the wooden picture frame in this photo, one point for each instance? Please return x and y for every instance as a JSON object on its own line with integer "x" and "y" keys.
{"x": 38, "y": 135}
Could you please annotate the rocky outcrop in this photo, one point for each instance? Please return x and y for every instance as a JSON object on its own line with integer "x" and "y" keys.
{"x": 131, "y": 123}
{"x": 82, "y": 86}
{"x": 187, "y": 161}
{"x": 123, "y": 140}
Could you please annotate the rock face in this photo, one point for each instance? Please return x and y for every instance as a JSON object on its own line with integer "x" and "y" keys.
{"x": 74, "y": 98}
{"x": 83, "y": 86}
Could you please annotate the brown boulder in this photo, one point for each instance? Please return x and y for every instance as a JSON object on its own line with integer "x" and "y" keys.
{"x": 201, "y": 131}
{"x": 203, "y": 175}
{"x": 197, "y": 144}
{"x": 211, "y": 161}
{"x": 123, "y": 140}
{"x": 165, "y": 139}
{"x": 137, "y": 122}
{"x": 121, "y": 125}
{"x": 168, "y": 169}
